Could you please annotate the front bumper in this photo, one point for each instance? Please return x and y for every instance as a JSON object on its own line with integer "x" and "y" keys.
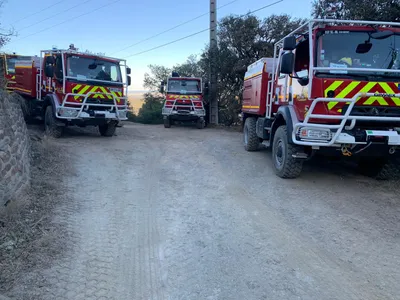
{"x": 69, "y": 110}
{"x": 308, "y": 133}
{"x": 194, "y": 113}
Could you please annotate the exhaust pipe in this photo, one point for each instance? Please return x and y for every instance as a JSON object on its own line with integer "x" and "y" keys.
{"x": 392, "y": 150}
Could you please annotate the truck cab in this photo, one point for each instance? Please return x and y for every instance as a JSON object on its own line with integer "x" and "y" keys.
{"x": 334, "y": 90}
{"x": 183, "y": 100}
{"x": 76, "y": 88}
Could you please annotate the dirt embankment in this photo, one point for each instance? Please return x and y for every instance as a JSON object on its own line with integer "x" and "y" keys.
{"x": 28, "y": 236}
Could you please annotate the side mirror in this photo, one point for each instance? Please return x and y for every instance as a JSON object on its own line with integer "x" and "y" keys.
{"x": 50, "y": 60}
{"x": 49, "y": 71}
{"x": 363, "y": 48}
{"x": 129, "y": 80}
{"x": 128, "y": 71}
{"x": 289, "y": 43}
{"x": 303, "y": 81}
{"x": 161, "y": 90}
{"x": 287, "y": 63}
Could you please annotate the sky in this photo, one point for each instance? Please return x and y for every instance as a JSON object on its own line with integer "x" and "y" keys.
{"x": 111, "y": 26}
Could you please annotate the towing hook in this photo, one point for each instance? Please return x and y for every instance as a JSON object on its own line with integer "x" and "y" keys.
{"x": 392, "y": 150}
{"x": 346, "y": 151}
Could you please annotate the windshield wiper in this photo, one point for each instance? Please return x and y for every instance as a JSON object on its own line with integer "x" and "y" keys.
{"x": 385, "y": 76}
{"x": 340, "y": 75}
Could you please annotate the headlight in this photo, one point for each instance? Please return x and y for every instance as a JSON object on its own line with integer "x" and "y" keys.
{"x": 307, "y": 133}
{"x": 122, "y": 114}
{"x": 68, "y": 112}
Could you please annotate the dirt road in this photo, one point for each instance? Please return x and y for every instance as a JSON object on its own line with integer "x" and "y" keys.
{"x": 188, "y": 214}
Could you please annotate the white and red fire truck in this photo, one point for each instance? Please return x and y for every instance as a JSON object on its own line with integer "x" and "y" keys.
{"x": 332, "y": 87}
{"x": 68, "y": 87}
{"x": 183, "y": 100}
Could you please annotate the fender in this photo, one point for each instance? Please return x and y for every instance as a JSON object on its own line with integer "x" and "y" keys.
{"x": 52, "y": 99}
{"x": 285, "y": 116}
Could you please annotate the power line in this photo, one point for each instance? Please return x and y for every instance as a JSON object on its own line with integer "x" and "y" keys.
{"x": 38, "y": 12}
{"x": 69, "y": 20}
{"x": 55, "y": 15}
{"x": 201, "y": 31}
{"x": 172, "y": 28}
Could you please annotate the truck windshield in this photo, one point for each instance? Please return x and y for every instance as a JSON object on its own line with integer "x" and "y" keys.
{"x": 338, "y": 49}
{"x": 83, "y": 68}
{"x": 184, "y": 86}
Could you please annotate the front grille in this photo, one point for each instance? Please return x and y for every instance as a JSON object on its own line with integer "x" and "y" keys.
{"x": 99, "y": 101}
{"x": 373, "y": 111}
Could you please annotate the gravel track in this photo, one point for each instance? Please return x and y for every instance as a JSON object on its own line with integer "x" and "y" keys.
{"x": 181, "y": 213}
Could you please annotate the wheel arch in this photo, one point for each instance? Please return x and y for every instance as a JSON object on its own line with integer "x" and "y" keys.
{"x": 283, "y": 117}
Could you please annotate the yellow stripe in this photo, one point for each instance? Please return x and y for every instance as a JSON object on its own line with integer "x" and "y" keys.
{"x": 19, "y": 89}
{"x": 389, "y": 90}
{"x": 251, "y": 106}
{"x": 347, "y": 90}
{"x": 333, "y": 87}
{"x": 254, "y": 75}
{"x": 75, "y": 90}
{"x": 105, "y": 91}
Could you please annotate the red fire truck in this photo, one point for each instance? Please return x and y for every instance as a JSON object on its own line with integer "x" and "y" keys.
{"x": 68, "y": 87}
{"x": 7, "y": 65}
{"x": 183, "y": 100}
{"x": 332, "y": 87}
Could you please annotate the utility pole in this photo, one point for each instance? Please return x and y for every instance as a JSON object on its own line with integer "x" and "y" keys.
{"x": 213, "y": 66}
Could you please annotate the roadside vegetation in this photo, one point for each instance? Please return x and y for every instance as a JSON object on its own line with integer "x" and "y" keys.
{"x": 241, "y": 41}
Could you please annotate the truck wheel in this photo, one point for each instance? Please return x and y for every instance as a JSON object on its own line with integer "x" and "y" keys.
{"x": 250, "y": 138}
{"x": 50, "y": 124}
{"x": 285, "y": 165}
{"x": 107, "y": 129}
{"x": 380, "y": 169}
{"x": 200, "y": 124}
{"x": 167, "y": 123}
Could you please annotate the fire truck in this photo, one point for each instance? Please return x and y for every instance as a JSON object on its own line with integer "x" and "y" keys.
{"x": 332, "y": 88}
{"x": 183, "y": 100}
{"x": 7, "y": 65}
{"x": 68, "y": 87}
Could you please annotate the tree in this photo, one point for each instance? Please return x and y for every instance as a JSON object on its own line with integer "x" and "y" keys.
{"x": 5, "y": 34}
{"x": 378, "y": 10}
{"x": 242, "y": 41}
{"x": 150, "y": 112}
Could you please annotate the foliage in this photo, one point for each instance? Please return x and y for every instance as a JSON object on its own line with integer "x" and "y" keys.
{"x": 5, "y": 34}
{"x": 378, "y": 10}
{"x": 242, "y": 41}
{"x": 150, "y": 112}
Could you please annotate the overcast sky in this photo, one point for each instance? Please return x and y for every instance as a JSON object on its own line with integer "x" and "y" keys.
{"x": 109, "y": 26}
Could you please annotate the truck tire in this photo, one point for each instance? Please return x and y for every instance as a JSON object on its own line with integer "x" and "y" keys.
{"x": 285, "y": 165}
{"x": 380, "y": 169}
{"x": 250, "y": 139}
{"x": 50, "y": 124}
{"x": 167, "y": 123}
{"x": 200, "y": 124}
{"x": 107, "y": 129}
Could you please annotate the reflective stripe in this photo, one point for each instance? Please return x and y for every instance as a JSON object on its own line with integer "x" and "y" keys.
{"x": 351, "y": 89}
{"x": 347, "y": 90}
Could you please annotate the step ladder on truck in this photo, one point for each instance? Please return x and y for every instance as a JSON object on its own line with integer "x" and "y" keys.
{"x": 332, "y": 88}
{"x": 184, "y": 100}
{"x": 68, "y": 87}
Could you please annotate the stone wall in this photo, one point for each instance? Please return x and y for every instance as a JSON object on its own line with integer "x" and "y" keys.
{"x": 14, "y": 149}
